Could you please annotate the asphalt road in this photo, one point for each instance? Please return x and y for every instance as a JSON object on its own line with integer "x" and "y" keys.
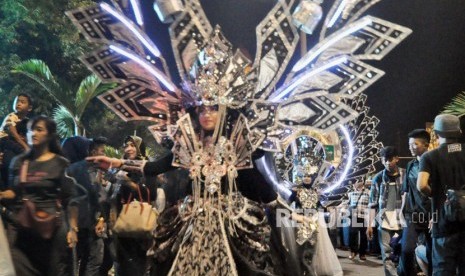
{"x": 371, "y": 267}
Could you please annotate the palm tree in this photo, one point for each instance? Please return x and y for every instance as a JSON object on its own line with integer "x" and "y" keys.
{"x": 456, "y": 106}
{"x": 71, "y": 105}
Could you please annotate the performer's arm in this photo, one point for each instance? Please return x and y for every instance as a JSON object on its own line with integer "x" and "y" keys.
{"x": 149, "y": 168}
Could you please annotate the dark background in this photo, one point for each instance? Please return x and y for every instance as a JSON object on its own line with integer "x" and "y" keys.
{"x": 422, "y": 74}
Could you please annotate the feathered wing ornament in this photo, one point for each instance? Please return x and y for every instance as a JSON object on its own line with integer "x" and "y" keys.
{"x": 323, "y": 93}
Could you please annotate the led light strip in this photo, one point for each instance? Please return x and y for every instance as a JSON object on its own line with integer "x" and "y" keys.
{"x": 137, "y": 13}
{"x": 312, "y": 55}
{"x": 162, "y": 78}
{"x": 337, "y": 14}
{"x": 153, "y": 49}
{"x": 348, "y": 163}
{"x": 306, "y": 76}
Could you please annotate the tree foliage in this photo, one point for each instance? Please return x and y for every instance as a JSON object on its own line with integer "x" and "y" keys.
{"x": 39, "y": 29}
{"x": 456, "y": 106}
{"x": 72, "y": 105}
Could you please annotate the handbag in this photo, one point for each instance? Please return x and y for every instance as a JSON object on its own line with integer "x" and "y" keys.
{"x": 38, "y": 221}
{"x": 454, "y": 206}
{"x": 30, "y": 218}
{"x": 137, "y": 219}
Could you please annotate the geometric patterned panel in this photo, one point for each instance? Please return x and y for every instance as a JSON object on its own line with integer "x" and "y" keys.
{"x": 277, "y": 38}
{"x": 339, "y": 15}
{"x": 345, "y": 79}
{"x": 105, "y": 24}
{"x": 135, "y": 101}
{"x": 320, "y": 112}
{"x": 367, "y": 38}
{"x": 188, "y": 33}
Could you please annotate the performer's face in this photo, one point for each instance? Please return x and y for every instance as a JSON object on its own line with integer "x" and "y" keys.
{"x": 307, "y": 179}
{"x": 208, "y": 116}
{"x": 130, "y": 150}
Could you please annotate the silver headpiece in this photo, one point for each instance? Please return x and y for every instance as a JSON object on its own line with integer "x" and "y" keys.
{"x": 220, "y": 77}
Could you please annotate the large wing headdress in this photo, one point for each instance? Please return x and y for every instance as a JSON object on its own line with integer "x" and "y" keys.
{"x": 322, "y": 93}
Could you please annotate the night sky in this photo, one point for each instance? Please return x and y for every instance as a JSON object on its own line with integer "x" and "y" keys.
{"x": 422, "y": 74}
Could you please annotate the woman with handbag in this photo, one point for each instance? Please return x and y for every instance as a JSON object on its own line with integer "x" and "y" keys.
{"x": 133, "y": 190}
{"x": 46, "y": 223}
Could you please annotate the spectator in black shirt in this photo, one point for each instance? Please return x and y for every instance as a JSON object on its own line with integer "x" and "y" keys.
{"x": 440, "y": 170}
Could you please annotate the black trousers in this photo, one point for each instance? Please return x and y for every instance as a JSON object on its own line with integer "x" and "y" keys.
{"x": 355, "y": 232}
{"x": 131, "y": 256}
{"x": 90, "y": 250}
{"x": 410, "y": 238}
{"x": 35, "y": 256}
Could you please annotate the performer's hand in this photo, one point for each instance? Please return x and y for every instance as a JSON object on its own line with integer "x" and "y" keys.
{"x": 370, "y": 233}
{"x": 71, "y": 238}
{"x": 105, "y": 162}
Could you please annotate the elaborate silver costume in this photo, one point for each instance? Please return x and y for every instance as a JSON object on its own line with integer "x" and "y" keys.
{"x": 321, "y": 96}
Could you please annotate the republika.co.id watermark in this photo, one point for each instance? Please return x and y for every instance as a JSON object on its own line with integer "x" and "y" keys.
{"x": 344, "y": 218}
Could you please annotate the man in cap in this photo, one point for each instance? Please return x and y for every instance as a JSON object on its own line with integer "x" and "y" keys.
{"x": 443, "y": 169}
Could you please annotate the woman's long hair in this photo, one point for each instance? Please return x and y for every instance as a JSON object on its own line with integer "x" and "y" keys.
{"x": 51, "y": 126}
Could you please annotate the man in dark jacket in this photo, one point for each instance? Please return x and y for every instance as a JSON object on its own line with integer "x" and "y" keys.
{"x": 91, "y": 222}
{"x": 417, "y": 207}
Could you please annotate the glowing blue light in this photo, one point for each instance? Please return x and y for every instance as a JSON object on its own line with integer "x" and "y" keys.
{"x": 337, "y": 13}
{"x": 152, "y": 48}
{"x": 306, "y": 76}
{"x": 137, "y": 13}
{"x": 312, "y": 54}
{"x": 348, "y": 163}
{"x": 161, "y": 77}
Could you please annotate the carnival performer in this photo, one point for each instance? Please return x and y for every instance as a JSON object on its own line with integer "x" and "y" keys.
{"x": 221, "y": 229}
{"x": 308, "y": 246}
{"x": 44, "y": 193}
